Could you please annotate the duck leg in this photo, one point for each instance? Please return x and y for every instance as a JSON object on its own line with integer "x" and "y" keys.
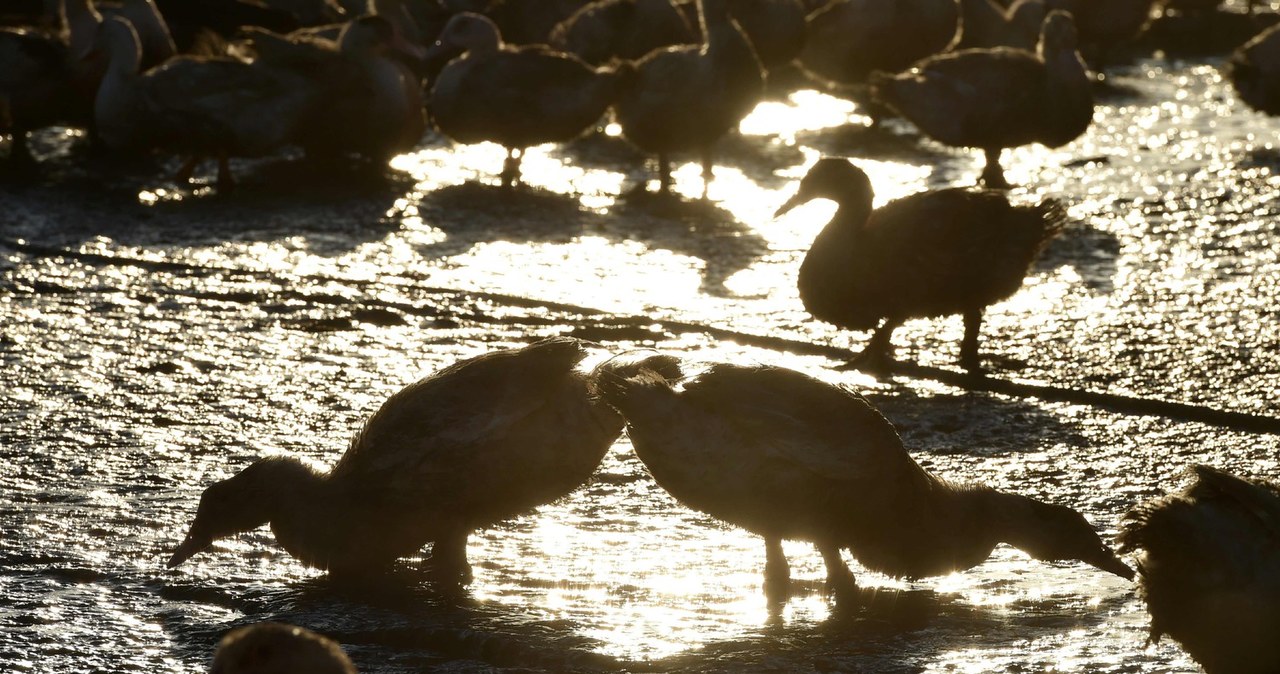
{"x": 877, "y": 355}
{"x": 448, "y": 562}
{"x": 777, "y": 573}
{"x": 993, "y": 173}
{"x": 664, "y": 174}
{"x": 707, "y": 174}
{"x": 969, "y": 358}
{"x": 183, "y": 175}
{"x": 511, "y": 167}
{"x": 226, "y": 182}
{"x": 840, "y": 581}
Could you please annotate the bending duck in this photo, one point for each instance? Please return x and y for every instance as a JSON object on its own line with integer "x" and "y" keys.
{"x": 517, "y": 97}
{"x": 685, "y": 98}
{"x": 478, "y": 442}
{"x": 1255, "y": 71}
{"x": 997, "y": 98}
{"x": 951, "y": 251}
{"x": 788, "y": 457}
{"x": 277, "y": 648}
{"x": 1209, "y": 569}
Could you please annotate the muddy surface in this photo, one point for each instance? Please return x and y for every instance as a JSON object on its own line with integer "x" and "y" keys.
{"x": 156, "y": 338}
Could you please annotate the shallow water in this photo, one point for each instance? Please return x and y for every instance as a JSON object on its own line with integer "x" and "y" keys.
{"x": 155, "y": 339}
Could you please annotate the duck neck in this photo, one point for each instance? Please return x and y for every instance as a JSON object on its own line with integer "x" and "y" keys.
{"x": 1011, "y": 519}
{"x": 82, "y": 21}
{"x": 851, "y": 217}
{"x": 304, "y": 515}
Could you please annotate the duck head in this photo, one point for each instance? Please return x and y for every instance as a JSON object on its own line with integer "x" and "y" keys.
{"x": 835, "y": 179}
{"x": 1058, "y": 34}
{"x": 242, "y": 502}
{"x": 467, "y": 32}
{"x": 1051, "y": 532}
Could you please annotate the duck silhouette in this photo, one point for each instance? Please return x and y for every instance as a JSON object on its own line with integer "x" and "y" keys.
{"x": 993, "y": 99}
{"x": 686, "y": 97}
{"x": 952, "y": 251}
{"x": 789, "y": 457}
{"x": 480, "y": 441}
{"x": 1209, "y": 569}
{"x": 517, "y": 97}
{"x": 277, "y": 648}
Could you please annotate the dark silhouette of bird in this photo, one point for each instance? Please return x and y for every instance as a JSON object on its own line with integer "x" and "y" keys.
{"x": 1209, "y": 569}
{"x": 622, "y": 29}
{"x": 952, "y": 251}
{"x": 788, "y": 457}
{"x": 993, "y": 99}
{"x": 277, "y": 648}
{"x": 1254, "y": 70}
{"x": 480, "y": 441}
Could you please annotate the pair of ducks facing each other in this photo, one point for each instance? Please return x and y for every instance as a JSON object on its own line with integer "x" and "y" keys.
{"x": 329, "y": 98}
{"x": 497, "y": 435}
{"x": 672, "y": 100}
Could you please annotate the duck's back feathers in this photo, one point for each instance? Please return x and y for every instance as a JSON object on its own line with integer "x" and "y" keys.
{"x": 1210, "y": 569}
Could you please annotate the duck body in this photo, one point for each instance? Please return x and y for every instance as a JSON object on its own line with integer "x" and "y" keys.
{"x": 35, "y": 86}
{"x": 939, "y": 253}
{"x": 685, "y": 98}
{"x": 1209, "y": 569}
{"x": 622, "y": 29}
{"x": 1255, "y": 71}
{"x": 850, "y": 39}
{"x": 998, "y": 98}
{"x": 515, "y": 96}
{"x": 786, "y": 456}
{"x": 480, "y": 441}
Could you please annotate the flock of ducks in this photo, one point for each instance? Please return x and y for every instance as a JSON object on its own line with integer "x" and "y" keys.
{"x": 792, "y": 457}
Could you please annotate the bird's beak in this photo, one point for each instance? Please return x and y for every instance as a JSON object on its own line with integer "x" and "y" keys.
{"x": 795, "y": 200}
{"x": 1107, "y": 561}
{"x": 191, "y": 545}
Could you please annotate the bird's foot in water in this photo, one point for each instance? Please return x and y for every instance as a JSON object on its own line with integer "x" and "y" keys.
{"x": 871, "y": 361}
{"x": 447, "y": 572}
{"x": 843, "y": 588}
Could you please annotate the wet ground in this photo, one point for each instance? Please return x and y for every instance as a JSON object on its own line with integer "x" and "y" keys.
{"x": 155, "y": 339}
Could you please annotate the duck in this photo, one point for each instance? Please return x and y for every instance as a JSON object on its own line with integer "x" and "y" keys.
{"x": 936, "y": 253}
{"x": 848, "y": 40}
{"x": 35, "y": 87}
{"x": 789, "y": 457}
{"x": 515, "y": 96}
{"x": 1209, "y": 569}
{"x": 361, "y": 95}
{"x": 621, "y": 29}
{"x": 525, "y": 22}
{"x": 985, "y": 24}
{"x": 478, "y": 442}
{"x": 686, "y": 97}
{"x": 776, "y": 29}
{"x": 1254, "y": 70}
{"x": 193, "y": 106}
{"x": 993, "y": 99}
{"x": 1105, "y": 25}
{"x": 275, "y": 648}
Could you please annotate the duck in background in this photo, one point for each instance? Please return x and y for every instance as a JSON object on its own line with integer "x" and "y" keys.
{"x": 35, "y": 88}
{"x": 848, "y": 40}
{"x": 515, "y": 96}
{"x": 985, "y": 24}
{"x": 1209, "y": 569}
{"x": 621, "y": 29}
{"x": 952, "y": 251}
{"x": 526, "y": 22}
{"x": 193, "y": 106}
{"x": 276, "y": 648}
{"x": 1254, "y": 70}
{"x": 685, "y": 98}
{"x": 776, "y": 29}
{"x": 789, "y": 457}
{"x": 1105, "y": 25}
{"x": 997, "y": 98}
{"x": 478, "y": 442}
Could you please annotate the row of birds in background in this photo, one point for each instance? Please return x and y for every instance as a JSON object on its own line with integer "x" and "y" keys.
{"x": 677, "y": 75}
{"x": 771, "y": 450}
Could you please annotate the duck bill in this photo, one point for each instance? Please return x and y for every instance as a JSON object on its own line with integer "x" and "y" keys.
{"x": 795, "y": 200}
{"x": 440, "y": 50}
{"x": 1107, "y": 561}
{"x": 192, "y": 545}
